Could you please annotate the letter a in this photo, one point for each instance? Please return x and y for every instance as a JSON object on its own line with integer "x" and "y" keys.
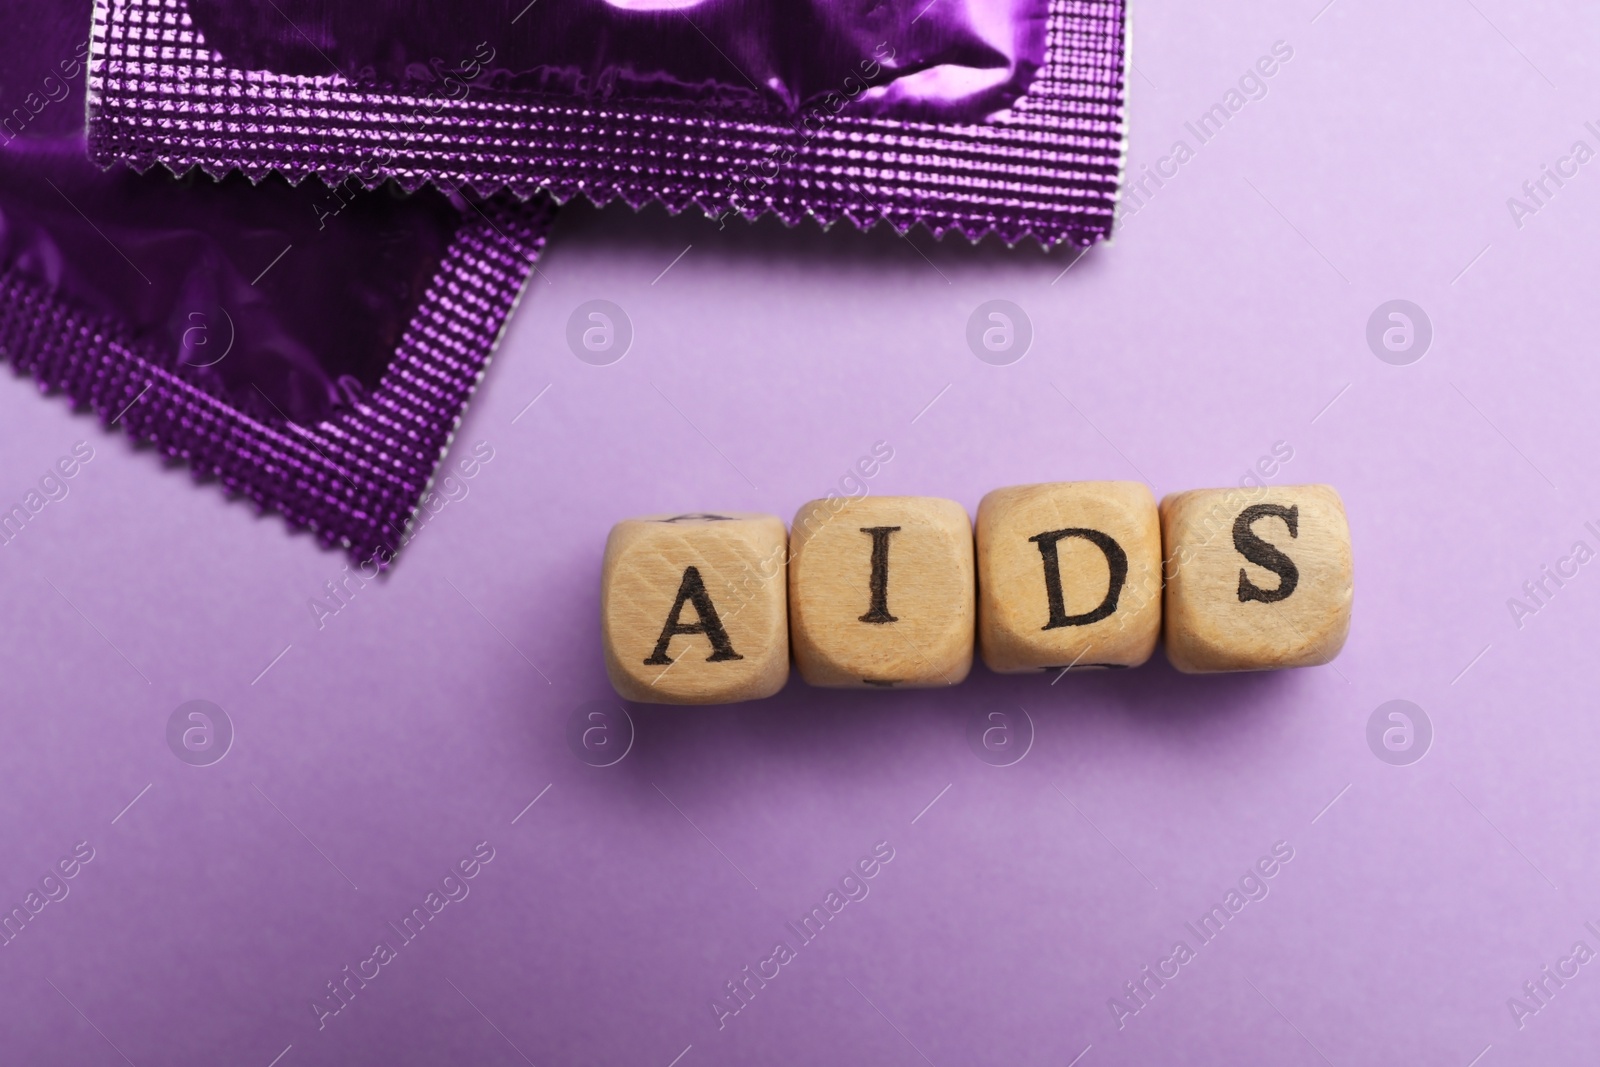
{"x": 1520, "y": 1011}
{"x": 320, "y": 611}
{"x": 723, "y": 1013}
{"x": 692, "y": 589}
{"x": 1120, "y": 1011}
{"x": 324, "y": 1013}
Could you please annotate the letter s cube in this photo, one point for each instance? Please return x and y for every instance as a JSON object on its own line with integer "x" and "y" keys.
{"x": 694, "y": 608}
{"x": 1257, "y": 579}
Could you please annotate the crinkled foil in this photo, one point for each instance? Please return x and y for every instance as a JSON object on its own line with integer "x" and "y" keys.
{"x": 311, "y": 349}
{"x": 978, "y": 116}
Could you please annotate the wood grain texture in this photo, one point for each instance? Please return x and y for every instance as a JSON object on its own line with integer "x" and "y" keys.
{"x": 1256, "y": 579}
{"x": 694, "y": 608}
{"x": 881, "y": 592}
{"x": 1069, "y": 576}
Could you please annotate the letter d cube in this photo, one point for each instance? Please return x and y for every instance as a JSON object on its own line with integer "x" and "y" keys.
{"x": 1069, "y": 576}
{"x": 694, "y": 608}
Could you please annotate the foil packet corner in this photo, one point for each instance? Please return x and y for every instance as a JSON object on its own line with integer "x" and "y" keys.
{"x": 311, "y": 348}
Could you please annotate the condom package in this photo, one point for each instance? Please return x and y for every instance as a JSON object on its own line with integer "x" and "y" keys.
{"x": 978, "y": 116}
{"x": 311, "y": 350}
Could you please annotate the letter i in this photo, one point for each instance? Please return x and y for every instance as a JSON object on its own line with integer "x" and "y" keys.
{"x": 879, "y": 583}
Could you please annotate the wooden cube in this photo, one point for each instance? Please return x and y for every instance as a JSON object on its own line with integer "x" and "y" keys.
{"x": 1257, "y": 579}
{"x": 1069, "y": 576}
{"x": 881, "y": 592}
{"x": 694, "y": 608}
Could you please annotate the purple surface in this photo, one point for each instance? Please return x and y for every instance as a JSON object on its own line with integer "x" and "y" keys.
{"x": 1230, "y": 314}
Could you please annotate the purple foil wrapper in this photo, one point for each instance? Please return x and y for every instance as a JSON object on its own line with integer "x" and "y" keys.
{"x": 311, "y": 349}
{"x": 979, "y": 116}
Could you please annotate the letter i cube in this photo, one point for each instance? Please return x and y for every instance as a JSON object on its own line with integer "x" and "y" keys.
{"x": 694, "y": 608}
{"x": 881, "y": 592}
{"x": 1069, "y": 576}
{"x": 1257, "y": 579}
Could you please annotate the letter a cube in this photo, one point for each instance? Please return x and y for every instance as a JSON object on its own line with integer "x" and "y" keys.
{"x": 1069, "y": 576}
{"x": 1257, "y": 579}
{"x": 881, "y": 592}
{"x": 694, "y": 608}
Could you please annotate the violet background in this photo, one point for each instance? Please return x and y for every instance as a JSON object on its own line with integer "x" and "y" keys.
{"x": 1228, "y": 315}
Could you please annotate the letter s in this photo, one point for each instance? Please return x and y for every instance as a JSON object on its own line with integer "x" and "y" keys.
{"x": 884, "y": 851}
{"x": 484, "y": 851}
{"x": 1265, "y": 555}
